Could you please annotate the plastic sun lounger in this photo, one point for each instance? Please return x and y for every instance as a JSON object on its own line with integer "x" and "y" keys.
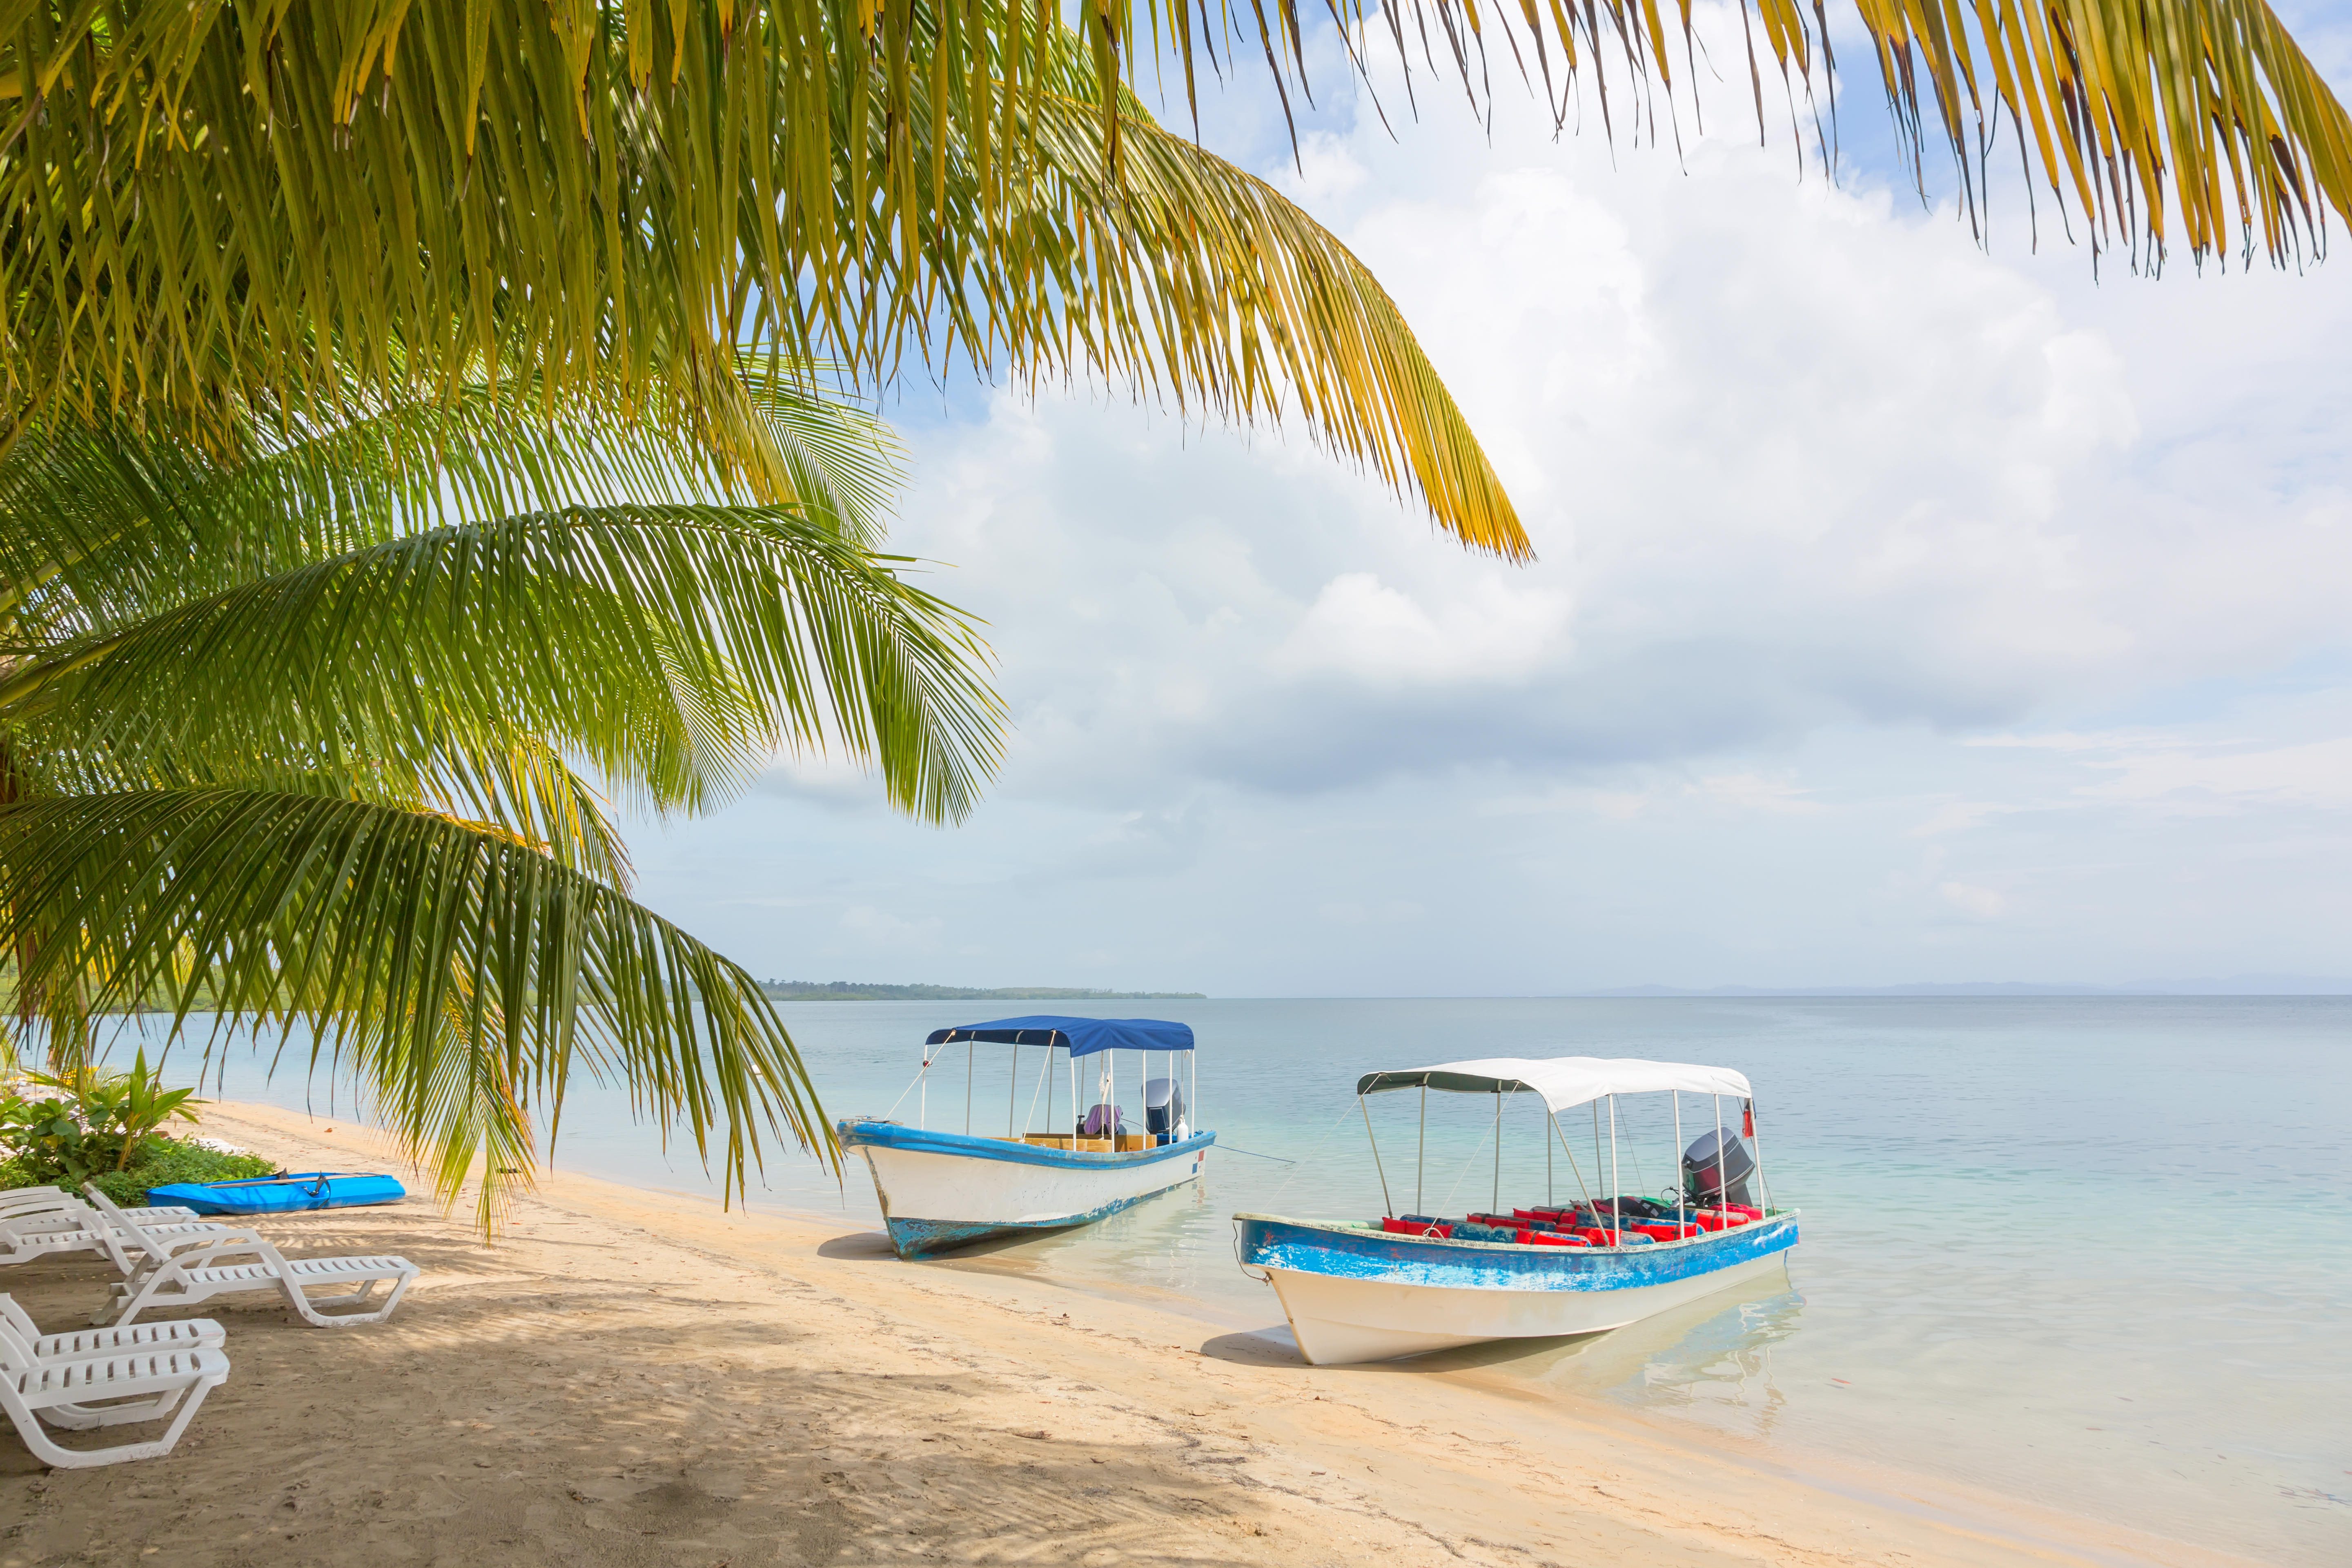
{"x": 83, "y": 1344}
{"x": 182, "y": 1270}
{"x": 143, "y": 1384}
{"x": 54, "y": 1231}
{"x": 56, "y": 1208}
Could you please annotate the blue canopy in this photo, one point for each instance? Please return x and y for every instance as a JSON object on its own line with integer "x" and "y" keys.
{"x": 1080, "y": 1037}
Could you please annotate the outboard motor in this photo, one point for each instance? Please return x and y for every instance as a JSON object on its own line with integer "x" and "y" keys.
{"x": 1163, "y": 1108}
{"x": 1711, "y": 1181}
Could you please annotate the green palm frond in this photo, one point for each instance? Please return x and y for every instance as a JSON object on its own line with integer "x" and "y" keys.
{"x": 217, "y": 211}
{"x": 232, "y": 217}
{"x": 107, "y": 520}
{"x": 457, "y": 977}
{"x": 676, "y": 647}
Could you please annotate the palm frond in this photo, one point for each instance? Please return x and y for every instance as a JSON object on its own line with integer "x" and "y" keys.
{"x": 110, "y": 523}
{"x": 240, "y": 214}
{"x": 676, "y": 647}
{"x": 458, "y": 978}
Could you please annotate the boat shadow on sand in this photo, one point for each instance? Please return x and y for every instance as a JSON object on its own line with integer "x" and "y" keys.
{"x": 874, "y": 1246}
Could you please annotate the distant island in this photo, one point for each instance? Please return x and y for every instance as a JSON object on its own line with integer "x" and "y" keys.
{"x": 854, "y": 991}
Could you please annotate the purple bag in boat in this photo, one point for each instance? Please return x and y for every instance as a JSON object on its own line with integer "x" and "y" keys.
{"x": 1102, "y": 1121}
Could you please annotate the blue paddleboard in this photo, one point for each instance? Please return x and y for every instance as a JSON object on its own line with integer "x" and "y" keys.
{"x": 290, "y": 1193}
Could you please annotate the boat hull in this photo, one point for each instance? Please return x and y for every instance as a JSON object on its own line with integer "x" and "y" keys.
{"x": 941, "y": 1190}
{"x": 1358, "y": 1295}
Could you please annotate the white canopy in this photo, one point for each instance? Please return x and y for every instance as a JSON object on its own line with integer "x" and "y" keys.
{"x": 1562, "y": 1081}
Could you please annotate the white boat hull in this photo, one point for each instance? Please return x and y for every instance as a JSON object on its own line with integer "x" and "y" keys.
{"x": 1339, "y": 1321}
{"x": 1354, "y": 1295}
{"x": 939, "y": 1189}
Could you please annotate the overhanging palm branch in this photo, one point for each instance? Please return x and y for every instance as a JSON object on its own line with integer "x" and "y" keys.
{"x": 458, "y": 978}
{"x": 208, "y": 210}
{"x": 209, "y": 661}
{"x": 247, "y": 210}
{"x": 676, "y": 647}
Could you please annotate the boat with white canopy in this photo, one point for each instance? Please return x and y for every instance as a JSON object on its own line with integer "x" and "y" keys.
{"x": 941, "y": 1188}
{"x": 1406, "y": 1284}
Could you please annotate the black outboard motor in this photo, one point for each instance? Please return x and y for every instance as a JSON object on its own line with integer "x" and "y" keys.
{"x": 1710, "y": 1181}
{"x": 1163, "y": 1108}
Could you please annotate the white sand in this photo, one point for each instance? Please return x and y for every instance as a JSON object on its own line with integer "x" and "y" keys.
{"x": 633, "y": 1377}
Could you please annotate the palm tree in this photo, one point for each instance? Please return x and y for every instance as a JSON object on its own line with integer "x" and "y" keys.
{"x": 213, "y": 212}
{"x": 294, "y": 735}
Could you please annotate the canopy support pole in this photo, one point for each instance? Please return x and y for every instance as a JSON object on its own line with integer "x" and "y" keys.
{"x": 1576, "y": 1170}
{"x": 1616, "y": 1200}
{"x": 1012, "y": 1090}
{"x": 1548, "y": 1201}
{"x": 1758, "y": 1138}
{"x": 1364, "y": 1105}
{"x": 1496, "y": 1201}
{"x": 1421, "y": 1154}
{"x": 970, "y": 1066}
{"x": 1072, "y": 1058}
{"x": 1596, "y": 1148}
{"x": 1678, "y": 1164}
{"x": 1722, "y": 1199}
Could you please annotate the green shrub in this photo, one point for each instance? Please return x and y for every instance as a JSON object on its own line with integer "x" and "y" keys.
{"x": 158, "y": 1162}
{"x": 91, "y": 1122}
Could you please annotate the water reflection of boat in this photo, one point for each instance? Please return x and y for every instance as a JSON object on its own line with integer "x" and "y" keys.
{"x": 1407, "y": 1284}
{"x": 940, "y": 1189}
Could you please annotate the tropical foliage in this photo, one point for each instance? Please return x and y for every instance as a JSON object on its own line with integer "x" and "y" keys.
{"x": 210, "y": 208}
{"x": 216, "y": 213}
{"x": 290, "y": 735}
{"x": 91, "y": 1121}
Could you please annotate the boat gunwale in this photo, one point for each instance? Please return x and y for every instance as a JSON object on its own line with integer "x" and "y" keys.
{"x": 1360, "y": 1228}
{"x": 863, "y": 1132}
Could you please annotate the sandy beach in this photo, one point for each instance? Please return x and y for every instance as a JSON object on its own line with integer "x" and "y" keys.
{"x": 637, "y": 1377}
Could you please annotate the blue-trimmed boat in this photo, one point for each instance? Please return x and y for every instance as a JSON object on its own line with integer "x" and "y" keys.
{"x": 940, "y": 1189}
{"x": 1403, "y": 1285}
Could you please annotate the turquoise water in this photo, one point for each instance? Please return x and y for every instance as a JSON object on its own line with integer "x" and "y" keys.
{"x": 2091, "y": 1252}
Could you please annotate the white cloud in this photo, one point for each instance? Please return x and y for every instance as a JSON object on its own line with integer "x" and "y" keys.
{"x": 1901, "y": 611}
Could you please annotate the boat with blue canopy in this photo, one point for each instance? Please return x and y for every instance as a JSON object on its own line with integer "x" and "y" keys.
{"x": 1408, "y": 1283}
{"x": 941, "y": 1188}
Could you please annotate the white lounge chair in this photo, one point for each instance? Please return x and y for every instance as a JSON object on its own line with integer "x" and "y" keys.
{"x": 83, "y": 1344}
{"x": 47, "y": 1233}
{"x": 182, "y": 1270}
{"x": 145, "y": 1385}
{"x": 55, "y": 1205}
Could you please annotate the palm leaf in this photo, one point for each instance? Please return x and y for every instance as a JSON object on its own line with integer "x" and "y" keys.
{"x": 105, "y": 523}
{"x": 244, "y": 212}
{"x": 458, "y": 978}
{"x": 676, "y": 647}
{"x": 216, "y": 209}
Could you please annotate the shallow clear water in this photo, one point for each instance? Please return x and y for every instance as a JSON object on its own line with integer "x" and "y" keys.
{"x": 2095, "y": 1253}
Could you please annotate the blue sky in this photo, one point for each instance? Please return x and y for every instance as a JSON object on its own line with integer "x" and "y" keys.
{"x": 1905, "y": 611}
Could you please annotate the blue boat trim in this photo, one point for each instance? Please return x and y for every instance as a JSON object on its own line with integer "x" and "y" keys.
{"x": 964, "y": 1145}
{"x": 919, "y": 1238}
{"x": 1310, "y": 1247}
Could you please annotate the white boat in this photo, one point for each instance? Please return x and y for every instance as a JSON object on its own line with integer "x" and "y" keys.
{"x": 941, "y": 1188}
{"x": 1405, "y": 1285}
